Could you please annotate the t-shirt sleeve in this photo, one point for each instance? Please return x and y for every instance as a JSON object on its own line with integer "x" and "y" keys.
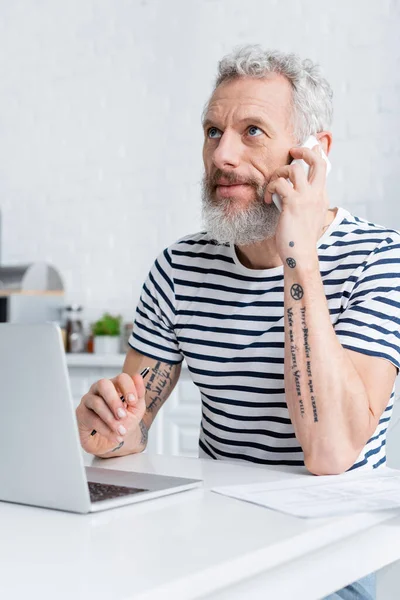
{"x": 370, "y": 323}
{"x": 153, "y": 330}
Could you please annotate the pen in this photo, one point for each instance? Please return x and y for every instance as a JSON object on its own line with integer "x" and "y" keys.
{"x": 143, "y": 374}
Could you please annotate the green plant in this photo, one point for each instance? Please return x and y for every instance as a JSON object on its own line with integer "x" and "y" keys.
{"x": 107, "y": 325}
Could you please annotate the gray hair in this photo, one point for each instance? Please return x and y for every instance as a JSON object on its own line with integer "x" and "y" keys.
{"x": 312, "y": 94}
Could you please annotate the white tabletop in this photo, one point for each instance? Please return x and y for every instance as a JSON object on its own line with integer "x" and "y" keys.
{"x": 195, "y": 544}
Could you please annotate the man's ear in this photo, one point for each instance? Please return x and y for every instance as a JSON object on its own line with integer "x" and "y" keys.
{"x": 325, "y": 139}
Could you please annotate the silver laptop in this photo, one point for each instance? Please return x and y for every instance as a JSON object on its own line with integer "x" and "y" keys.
{"x": 41, "y": 461}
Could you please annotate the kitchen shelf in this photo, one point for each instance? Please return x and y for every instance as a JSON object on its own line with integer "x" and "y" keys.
{"x": 95, "y": 360}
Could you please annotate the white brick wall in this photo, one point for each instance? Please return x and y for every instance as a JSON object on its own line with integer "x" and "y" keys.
{"x": 100, "y": 137}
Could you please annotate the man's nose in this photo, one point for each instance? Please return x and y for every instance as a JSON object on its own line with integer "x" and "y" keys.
{"x": 227, "y": 154}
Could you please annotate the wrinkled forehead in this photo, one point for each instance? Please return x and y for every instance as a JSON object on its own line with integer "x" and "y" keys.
{"x": 268, "y": 99}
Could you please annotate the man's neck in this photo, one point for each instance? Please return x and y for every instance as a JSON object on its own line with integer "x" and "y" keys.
{"x": 264, "y": 255}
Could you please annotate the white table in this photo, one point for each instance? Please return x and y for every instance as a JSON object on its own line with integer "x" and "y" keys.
{"x": 194, "y": 544}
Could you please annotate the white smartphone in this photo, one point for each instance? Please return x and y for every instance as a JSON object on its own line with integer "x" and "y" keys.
{"x": 309, "y": 143}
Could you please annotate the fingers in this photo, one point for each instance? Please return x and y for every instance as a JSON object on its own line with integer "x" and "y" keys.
{"x": 137, "y": 406}
{"x": 100, "y": 409}
{"x": 90, "y": 420}
{"x": 313, "y": 157}
{"x": 126, "y": 386}
{"x": 294, "y": 172}
{"x": 103, "y": 410}
{"x": 105, "y": 389}
{"x": 296, "y": 175}
{"x": 140, "y": 386}
{"x": 281, "y": 186}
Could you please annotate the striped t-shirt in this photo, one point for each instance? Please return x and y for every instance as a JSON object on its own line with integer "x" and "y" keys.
{"x": 201, "y": 304}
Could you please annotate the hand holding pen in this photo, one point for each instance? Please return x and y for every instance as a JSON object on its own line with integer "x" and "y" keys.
{"x": 112, "y": 409}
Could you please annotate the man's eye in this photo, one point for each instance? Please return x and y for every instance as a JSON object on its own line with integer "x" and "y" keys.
{"x": 254, "y": 131}
{"x": 213, "y": 133}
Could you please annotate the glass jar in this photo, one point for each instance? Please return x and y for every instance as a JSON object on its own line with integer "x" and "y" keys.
{"x": 75, "y": 333}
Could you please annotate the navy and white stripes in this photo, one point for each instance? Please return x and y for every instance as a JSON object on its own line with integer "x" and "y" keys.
{"x": 200, "y": 303}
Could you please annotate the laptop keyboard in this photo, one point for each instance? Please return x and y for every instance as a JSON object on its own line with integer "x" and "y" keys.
{"x": 106, "y": 491}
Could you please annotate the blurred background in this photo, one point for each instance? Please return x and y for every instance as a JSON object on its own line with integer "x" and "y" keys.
{"x": 100, "y": 135}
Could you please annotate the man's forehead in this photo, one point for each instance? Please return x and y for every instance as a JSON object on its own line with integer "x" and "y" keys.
{"x": 240, "y": 108}
{"x": 267, "y": 98}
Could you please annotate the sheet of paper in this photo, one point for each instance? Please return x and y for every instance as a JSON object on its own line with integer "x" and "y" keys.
{"x": 324, "y": 496}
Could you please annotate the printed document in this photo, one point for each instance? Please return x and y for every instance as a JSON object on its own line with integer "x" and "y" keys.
{"x": 324, "y": 496}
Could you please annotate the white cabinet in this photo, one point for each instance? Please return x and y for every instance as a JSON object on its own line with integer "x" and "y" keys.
{"x": 175, "y": 430}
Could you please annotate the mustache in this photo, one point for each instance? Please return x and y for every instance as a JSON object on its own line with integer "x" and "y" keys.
{"x": 231, "y": 178}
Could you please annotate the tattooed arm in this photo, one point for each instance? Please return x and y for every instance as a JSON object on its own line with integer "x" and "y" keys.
{"x": 335, "y": 396}
{"x": 159, "y": 384}
{"x": 331, "y": 398}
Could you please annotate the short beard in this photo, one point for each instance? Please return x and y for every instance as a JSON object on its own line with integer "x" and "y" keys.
{"x": 254, "y": 224}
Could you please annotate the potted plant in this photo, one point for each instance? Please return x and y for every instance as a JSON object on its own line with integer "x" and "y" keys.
{"x": 107, "y": 334}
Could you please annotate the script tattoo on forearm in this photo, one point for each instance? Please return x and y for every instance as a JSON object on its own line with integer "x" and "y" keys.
{"x": 308, "y": 363}
{"x": 295, "y": 370}
{"x": 158, "y": 385}
{"x": 144, "y": 433}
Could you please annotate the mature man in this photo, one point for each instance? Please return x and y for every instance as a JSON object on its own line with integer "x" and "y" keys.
{"x": 287, "y": 321}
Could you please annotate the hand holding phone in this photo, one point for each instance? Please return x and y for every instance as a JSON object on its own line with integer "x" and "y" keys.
{"x": 309, "y": 143}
